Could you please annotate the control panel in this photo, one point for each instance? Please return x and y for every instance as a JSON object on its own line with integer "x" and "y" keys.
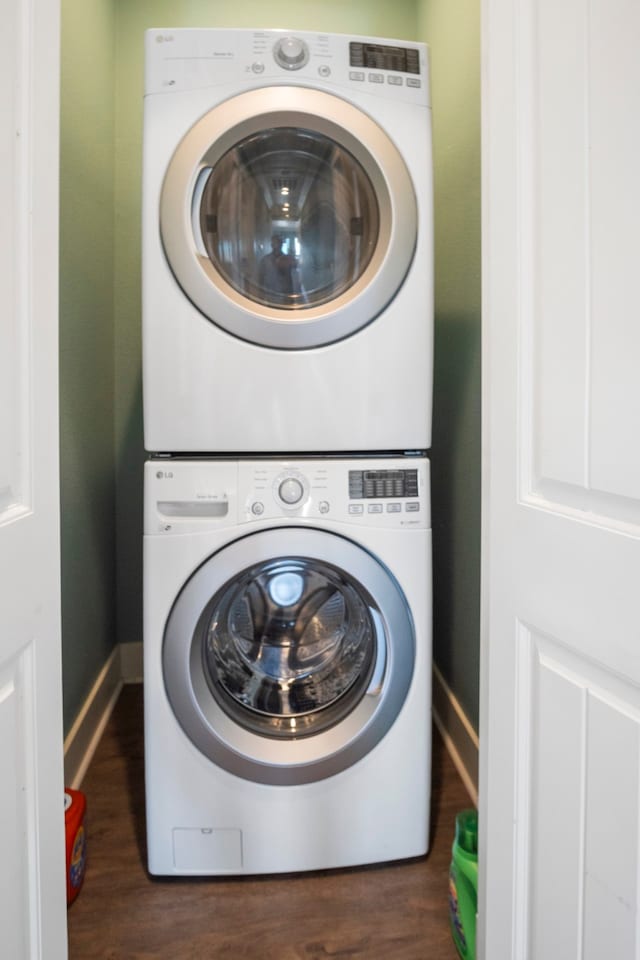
{"x": 185, "y": 495}
{"x": 189, "y": 59}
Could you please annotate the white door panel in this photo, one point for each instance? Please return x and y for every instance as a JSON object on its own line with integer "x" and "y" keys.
{"x": 32, "y": 893}
{"x": 560, "y": 714}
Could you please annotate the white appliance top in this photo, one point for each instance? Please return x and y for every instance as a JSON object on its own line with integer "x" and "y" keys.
{"x": 182, "y": 496}
{"x": 190, "y": 59}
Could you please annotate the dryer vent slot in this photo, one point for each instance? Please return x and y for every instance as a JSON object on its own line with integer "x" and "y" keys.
{"x": 193, "y": 508}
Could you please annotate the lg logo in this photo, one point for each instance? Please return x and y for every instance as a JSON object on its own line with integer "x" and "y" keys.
{"x": 164, "y": 475}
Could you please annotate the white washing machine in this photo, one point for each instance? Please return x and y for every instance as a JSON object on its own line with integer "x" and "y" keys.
{"x": 287, "y": 654}
{"x": 287, "y": 243}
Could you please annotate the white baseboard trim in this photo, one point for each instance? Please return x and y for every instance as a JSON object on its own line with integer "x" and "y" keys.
{"x": 459, "y": 737}
{"x": 131, "y": 662}
{"x": 83, "y": 738}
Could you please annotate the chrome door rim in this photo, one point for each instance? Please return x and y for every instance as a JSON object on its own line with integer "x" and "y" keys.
{"x": 249, "y": 113}
{"x": 259, "y": 758}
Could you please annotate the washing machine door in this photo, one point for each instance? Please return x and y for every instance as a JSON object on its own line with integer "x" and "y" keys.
{"x": 288, "y": 655}
{"x": 288, "y": 217}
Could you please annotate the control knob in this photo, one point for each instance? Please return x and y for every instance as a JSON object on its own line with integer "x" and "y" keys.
{"x": 291, "y": 491}
{"x": 291, "y": 53}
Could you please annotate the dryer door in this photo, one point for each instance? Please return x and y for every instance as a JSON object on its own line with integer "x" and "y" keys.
{"x": 288, "y": 655}
{"x": 288, "y": 217}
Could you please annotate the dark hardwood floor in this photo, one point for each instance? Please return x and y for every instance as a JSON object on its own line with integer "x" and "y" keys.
{"x": 391, "y": 912}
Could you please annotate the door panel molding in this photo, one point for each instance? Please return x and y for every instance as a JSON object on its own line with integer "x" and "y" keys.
{"x": 16, "y": 171}
{"x": 32, "y": 865}
{"x": 560, "y": 664}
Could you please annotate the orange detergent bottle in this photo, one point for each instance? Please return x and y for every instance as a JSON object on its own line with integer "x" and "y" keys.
{"x": 75, "y": 805}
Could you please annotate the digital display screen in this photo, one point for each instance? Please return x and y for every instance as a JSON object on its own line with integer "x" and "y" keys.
{"x": 382, "y": 484}
{"x": 375, "y": 56}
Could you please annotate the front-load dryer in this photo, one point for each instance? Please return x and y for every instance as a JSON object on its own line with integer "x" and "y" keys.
{"x": 287, "y": 651}
{"x": 287, "y": 243}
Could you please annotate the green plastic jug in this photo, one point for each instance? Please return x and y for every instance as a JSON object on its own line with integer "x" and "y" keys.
{"x": 463, "y": 884}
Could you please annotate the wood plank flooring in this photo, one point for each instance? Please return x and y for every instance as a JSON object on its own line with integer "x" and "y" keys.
{"x": 392, "y": 912}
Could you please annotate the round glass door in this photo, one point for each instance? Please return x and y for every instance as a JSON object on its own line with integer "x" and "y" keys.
{"x": 289, "y": 646}
{"x": 288, "y": 217}
{"x": 288, "y": 655}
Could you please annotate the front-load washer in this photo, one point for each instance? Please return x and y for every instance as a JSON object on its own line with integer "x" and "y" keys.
{"x": 287, "y": 651}
{"x": 287, "y": 243}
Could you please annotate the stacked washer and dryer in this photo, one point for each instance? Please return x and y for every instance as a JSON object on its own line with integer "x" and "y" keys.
{"x": 287, "y": 364}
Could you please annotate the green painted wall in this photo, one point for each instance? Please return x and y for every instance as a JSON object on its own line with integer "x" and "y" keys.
{"x": 452, "y": 29}
{"x": 132, "y": 19}
{"x": 86, "y": 345}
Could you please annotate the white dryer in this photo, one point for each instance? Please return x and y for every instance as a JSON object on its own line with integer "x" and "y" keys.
{"x": 287, "y": 652}
{"x": 287, "y": 243}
